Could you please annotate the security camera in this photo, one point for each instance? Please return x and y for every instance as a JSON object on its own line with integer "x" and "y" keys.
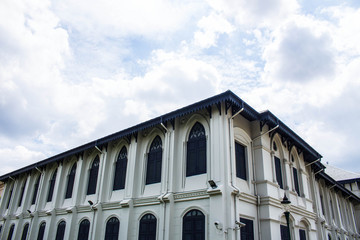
{"x": 218, "y": 225}
{"x": 240, "y": 224}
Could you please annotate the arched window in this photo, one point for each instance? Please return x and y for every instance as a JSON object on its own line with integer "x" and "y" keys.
{"x": 240, "y": 158}
{"x": 70, "y": 182}
{"x": 278, "y": 167}
{"x": 11, "y": 231}
{"x": 51, "y": 186}
{"x": 36, "y": 188}
{"x": 22, "y": 193}
{"x": 60, "y": 232}
{"x": 295, "y": 176}
{"x": 196, "y": 151}
{"x": 147, "y": 229}
{"x": 93, "y": 175}
{"x": 9, "y": 199}
{"x": 84, "y": 230}
{"x": 112, "y": 229}
{"x": 41, "y": 231}
{"x": 194, "y": 225}
{"x": 25, "y": 231}
{"x": 120, "y": 170}
{"x": 153, "y": 172}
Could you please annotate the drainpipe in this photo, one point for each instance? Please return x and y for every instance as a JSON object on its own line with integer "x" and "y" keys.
{"x": 161, "y": 197}
{"x": 231, "y": 165}
{"x": 254, "y": 177}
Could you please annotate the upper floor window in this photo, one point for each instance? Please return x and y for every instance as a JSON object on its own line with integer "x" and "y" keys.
{"x": 51, "y": 186}
{"x": 9, "y": 199}
{"x": 154, "y": 162}
{"x": 36, "y": 188}
{"x": 247, "y": 232}
{"x": 278, "y": 172}
{"x": 120, "y": 170}
{"x": 196, "y": 151}
{"x": 11, "y": 232}
{"x": 194, "y": 225}
{"x": 25, "y": 232}
{"x": 41, "y": 231}
{"x": 112, "y": 229}
{"x": 70, "y": 182}
{"x": 296, "y": 181}
{"x": 60, "y": 232}
{"x": 84, "y": 230}
{"x": 240, "y": 157}
{"x": 93, "y": 175}
{"x": 22, "y": 193}
{"x": 147, "y": 229}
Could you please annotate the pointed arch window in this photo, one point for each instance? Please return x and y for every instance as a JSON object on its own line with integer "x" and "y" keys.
{"x": 51, "y": 186}
{"x": 196, "y": 151}
{"x": 11, "y": 232}
{"x": 240, "y": 158}
{"x": 93, "y": 175}
{"x": 36, "y": 188}
{"x": 194, "y": 225}
{"x": 278, "y": 171}
{"x": 147, "y": 230}
{"x": 112, "y": 229}
{"x": 41, "y": 231}
{"x": 25, "y": 231}
{"x": 60, "y": 232}
{"x": 84, "y": 230}
{"x": 153, "y": 172}
{"x": 22, "y": 193}
{"x": 120, "y": 170}
{"x": 9, "y": 199}
{"x": 70, "y": 182}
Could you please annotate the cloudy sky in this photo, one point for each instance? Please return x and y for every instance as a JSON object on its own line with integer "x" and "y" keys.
{"x": 75, "y": 71}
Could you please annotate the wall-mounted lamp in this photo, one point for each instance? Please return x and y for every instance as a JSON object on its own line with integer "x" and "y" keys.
{"x": 28, "y": 211}
{"x": 212, "y": 184}
{"x": 90, "y": 202}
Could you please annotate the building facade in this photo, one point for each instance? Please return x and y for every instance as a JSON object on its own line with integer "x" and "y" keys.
{"x": 216, "y": 169}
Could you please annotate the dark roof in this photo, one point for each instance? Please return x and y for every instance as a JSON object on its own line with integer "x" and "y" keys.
{"x": 232, "y": 102}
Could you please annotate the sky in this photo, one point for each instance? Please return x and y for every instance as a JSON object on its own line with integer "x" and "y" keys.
{"x": 74, "y": 71}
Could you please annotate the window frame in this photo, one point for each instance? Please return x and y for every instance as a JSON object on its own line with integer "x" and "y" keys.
{"x": 42, "y": 228}
{"x": 26, "y": 227}
{"x": 51, "y": 188}
{"x": 246, "y": 235}
{"x": 70, "y": 181}
{"x": 84, "y": 225}
{"x": 109, "y": 235}
{"x": 196, "y": 145}
{"x": 241, "y": 165}
{"x": 36, "y": 189}
{"x": 120, "y": 170}
{"x": 154, "y": 162}
{"x": 93, "y": 176}
{"x": 193, "y": 219}
{"x": 60, "y": 231}
{"x": 150, "y": 235}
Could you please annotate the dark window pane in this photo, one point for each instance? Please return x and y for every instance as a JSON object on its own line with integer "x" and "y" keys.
{"x": 41, "y": 231}
{"x": 278, "y": 172}
{"x": 25, "y": 232}
{"x": 9, "y": 199}
{"x": 240, "y": 161}
{"x": 284, "y": 232}
{"x": 84, "y": 230}
{"x": 247, "y": 232}
{"x": 147, "y": 230}
{"x": 11, "y": 231}
{"x": 194, "y": 225}
{"x": 120, "y": 170}
{"x": 93, "y": 175}
{"x": 70, "y": 183}
{"x": 302, "y": 234}
{"x": 196, "y": 151}
{"x": 22, "y": 193}
{"x": 154, "y": 163}
{"x": 36, "y": 188}
{"x": 60, "y": 232}
{"x": 296, "y": 181}
{"x": 112, "y": 229}
{"x": 51, "y": 186}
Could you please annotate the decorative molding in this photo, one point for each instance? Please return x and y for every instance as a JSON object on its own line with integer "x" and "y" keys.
{"x": 188, "y": 196}
{"x": 146, "y": 201}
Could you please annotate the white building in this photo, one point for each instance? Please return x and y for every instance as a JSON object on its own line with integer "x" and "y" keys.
{"x": 216, "y": 169}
